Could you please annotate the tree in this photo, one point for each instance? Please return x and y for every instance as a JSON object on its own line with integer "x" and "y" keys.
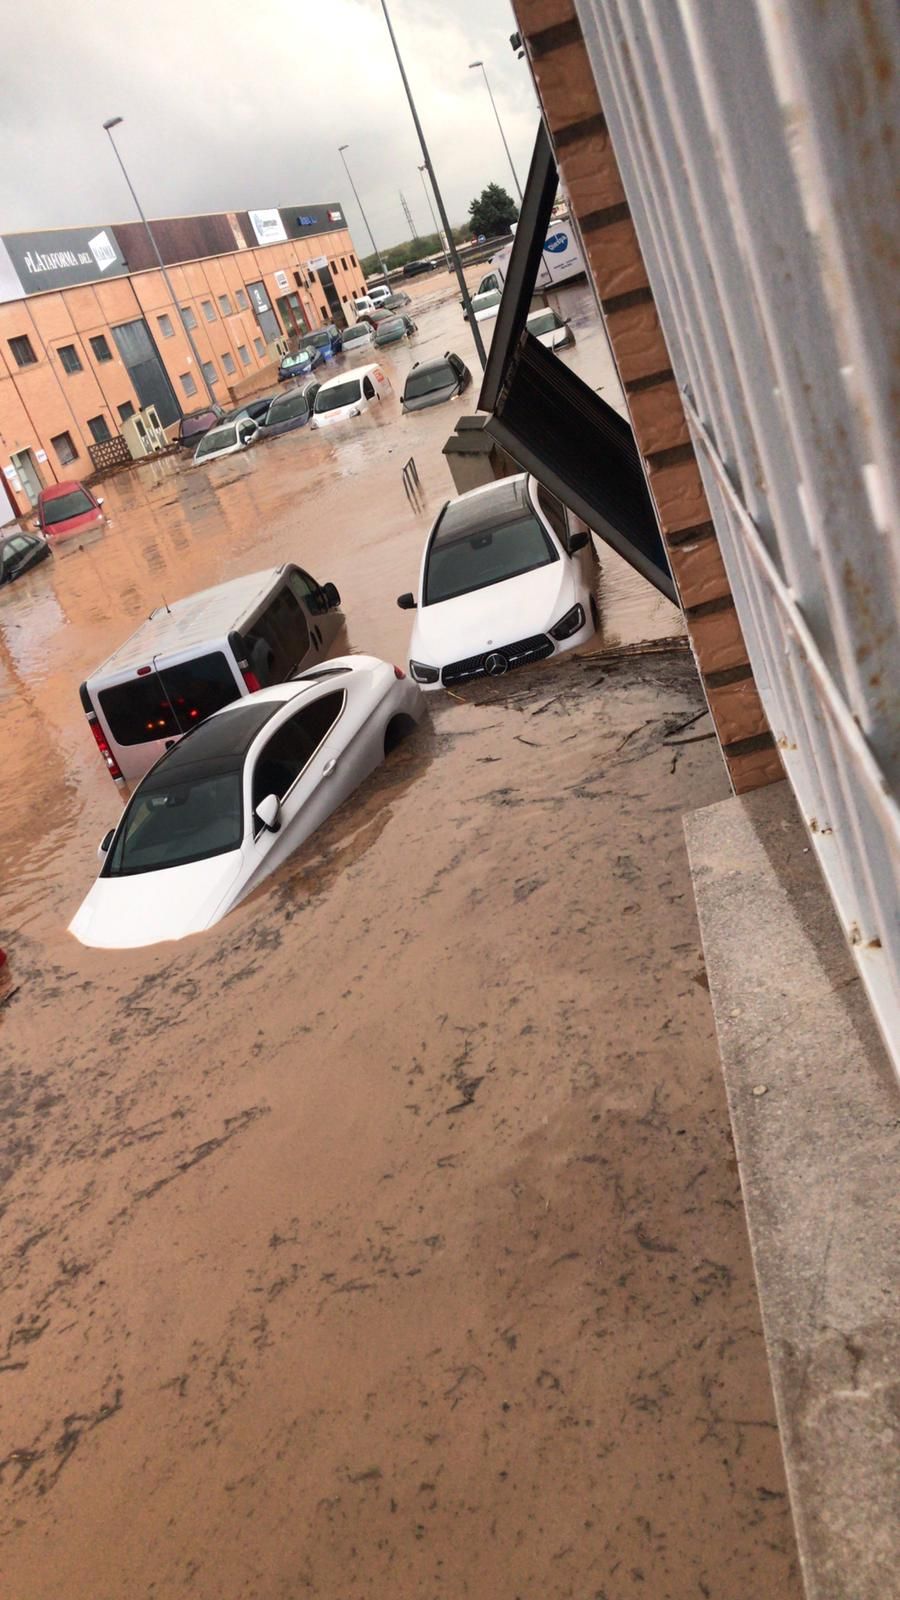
{"x": 493, "y": 211}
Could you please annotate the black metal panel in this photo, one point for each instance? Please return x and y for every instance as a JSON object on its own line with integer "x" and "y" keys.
{"x": 548, "y": 419}
{"x": 146, "y": 371}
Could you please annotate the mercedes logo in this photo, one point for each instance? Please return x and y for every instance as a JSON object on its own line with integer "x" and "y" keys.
{"x": 496, "y": 664}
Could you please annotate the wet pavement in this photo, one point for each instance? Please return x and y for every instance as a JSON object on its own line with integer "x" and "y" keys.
{"x": 385, "y": 1240}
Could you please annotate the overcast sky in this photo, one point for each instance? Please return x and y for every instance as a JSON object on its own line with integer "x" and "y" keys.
{"x": 230, "y": 104}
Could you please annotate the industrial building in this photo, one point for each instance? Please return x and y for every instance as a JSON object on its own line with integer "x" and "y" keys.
{"x": 96, "y": 356}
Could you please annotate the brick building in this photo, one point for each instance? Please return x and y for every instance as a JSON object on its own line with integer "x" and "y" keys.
{"x": 89, "y": 334}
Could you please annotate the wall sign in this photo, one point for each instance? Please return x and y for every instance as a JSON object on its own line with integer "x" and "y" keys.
{"x": 61, "y": 258}
{"x": 282, "y": 280}
{"x": 268, "y": 226}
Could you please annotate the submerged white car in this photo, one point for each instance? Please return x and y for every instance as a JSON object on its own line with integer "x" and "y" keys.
{"x": 507, "y": 578}
{"x": 226, "y": 439}
{"x": 226, "y": 805}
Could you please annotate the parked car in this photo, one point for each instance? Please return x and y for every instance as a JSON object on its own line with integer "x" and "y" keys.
{"x": 350, "y": 395}
{"x": 507, "y": 578}
{"x": 19, "y": 552}
{"x": 363, "y": 304}
{"x": 299, "y": 362}
{"x": 68, "y": 509}
{"x": 549, "y": 329}
{"x": 257, "y": 410}
{"x": 396, "y": 301}
{"x": 199, "y": 653}
{"x": 413, "y": 268}
{"x": 290, "y": 410}
{"x": 484, "y": 306}
{"x": 357, "y": 337}
{"x": 378, "y": 291}
{"x": 226, "y": 440}
{"x": 393, "y": 329}
{"x": 429, "y": 383}
{"x": 238, "y": 795}
{"x": 328, "y": 340}
{"x": 195, "y": 423}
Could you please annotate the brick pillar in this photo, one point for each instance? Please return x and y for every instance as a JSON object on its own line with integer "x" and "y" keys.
{"x": 590, "y": 175}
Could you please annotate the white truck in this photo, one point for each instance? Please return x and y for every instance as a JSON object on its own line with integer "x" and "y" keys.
{"x": 561, "y": 259}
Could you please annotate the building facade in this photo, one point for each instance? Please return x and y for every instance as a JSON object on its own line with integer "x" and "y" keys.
{"x": 89, "y": 334}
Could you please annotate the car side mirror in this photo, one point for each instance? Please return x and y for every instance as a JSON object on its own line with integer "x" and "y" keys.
{"x": 269, "y": 813}
{"x": 247, "y": 433}
{"x": 35, "y": 527}
{"x": 104, "y": 844}
{"x": 99, "y": 499}
{"x": 578, "y": 541}
{"x": 331, "y": 596}
{"x": 406, "y": 602}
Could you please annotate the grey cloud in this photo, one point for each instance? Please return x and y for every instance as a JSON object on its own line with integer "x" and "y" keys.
{"x": 239, "y": 104}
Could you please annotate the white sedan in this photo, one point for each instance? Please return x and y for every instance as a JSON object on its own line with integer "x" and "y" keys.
{"x": 507, "y": 578}
{"x": 226, "y": 805}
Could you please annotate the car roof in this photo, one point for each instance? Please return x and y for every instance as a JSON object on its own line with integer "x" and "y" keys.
{"x": 433, "y": 365}
{"x": 57, "y": 490}
{"x": 196, "y": 619}
{"x": 355, "y": 372}
{"x": 483, "y": 508}
{"x": 220, "y": 740}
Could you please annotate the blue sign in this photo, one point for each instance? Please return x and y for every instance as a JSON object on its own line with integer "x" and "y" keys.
{"x": 307, "y": 222}
{"x": 557, "y": 242}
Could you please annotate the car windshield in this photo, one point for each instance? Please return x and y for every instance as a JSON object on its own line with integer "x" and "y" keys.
{"x": 338, "y": 394}
{"x": 392, "y": 325}
{"x": 542, "y": 322}
{"x": 65, "y": 506}
{"x": 196, "y": 814}
{"x": 428, "y": 379}
{"x": 299, "y": 360}
{"x": 319, "y": 338}
{"x": 293, "y": 405}
{"x": 217, "y": 439}
{"x": 361, "y": 331}
{"x": 483, "y": 301}
{"x": 461, "y": 560}
{"x": 194, "y": 425}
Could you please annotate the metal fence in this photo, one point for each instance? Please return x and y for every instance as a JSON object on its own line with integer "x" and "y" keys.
{"x": 757, "y": 143}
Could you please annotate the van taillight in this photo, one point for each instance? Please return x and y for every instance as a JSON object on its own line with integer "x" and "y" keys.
{"x": 249, "y": 676}
{"x": 103, "y": 746}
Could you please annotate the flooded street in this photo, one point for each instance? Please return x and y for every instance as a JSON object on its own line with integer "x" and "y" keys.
{"x": 385, "y": 1240}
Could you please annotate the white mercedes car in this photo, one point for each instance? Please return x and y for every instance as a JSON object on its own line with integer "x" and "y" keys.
{"x": 507, "y": 577}
{"x": 226, "y": 805}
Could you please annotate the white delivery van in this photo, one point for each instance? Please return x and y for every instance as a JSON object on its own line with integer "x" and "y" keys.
{"x": 198, "y": 654}
{"x": 561, "y": 259}
{"x": 350, "y": 395}
{"x": 379, "y": 292}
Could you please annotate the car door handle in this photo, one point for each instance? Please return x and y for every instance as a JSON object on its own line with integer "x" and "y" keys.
{"x": 329, "y": 767}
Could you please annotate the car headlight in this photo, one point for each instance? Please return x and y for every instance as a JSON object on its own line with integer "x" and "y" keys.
{"x": 569, "y": 624}
{"x": 423, "y": 674}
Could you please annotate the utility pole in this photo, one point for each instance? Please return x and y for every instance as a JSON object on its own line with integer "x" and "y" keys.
{"x": 375, "y": 249}
{"x": 441, "y": 240}
{"x": 413, "y": 231}
{"x": 442, "y": 212}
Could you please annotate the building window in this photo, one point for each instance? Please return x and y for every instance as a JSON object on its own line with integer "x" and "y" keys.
{"x": 244, "y": 354}
{"x": 100, "y": 348}
{"x": 228, "y": 363}
{"x": 126, "y": 410}
{"x": 259, "y": 347}
{"x": 23, "y": 355}
{"x": 343, "y": 265}
{"x": 353, "y": 261}
{"x": 225, "y": 305}
{"x": 99, "y": 429}
{"x": 209, "y": 310}
{"x": 345, "y": 298}
{"x": 243, "y": 302}
{"x": 71, "y": 360}
{"x": 210, "y": 373}
{"x": 165, "y": 325}
{"x": 186, "y": 379}
{"x": 64, "y": 448}
{"x": 187, "y": 317}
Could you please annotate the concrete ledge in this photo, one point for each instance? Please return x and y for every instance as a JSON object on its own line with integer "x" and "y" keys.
{"x": 816, "y": 1119}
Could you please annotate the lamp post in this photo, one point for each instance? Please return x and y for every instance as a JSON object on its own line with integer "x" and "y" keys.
{"x": 442, "y": 212}
{"x": 113, "y": 122}
{"x": 472, "y": 65}
{"x": 434, "y": 219}
{"x": 375, "y": 249}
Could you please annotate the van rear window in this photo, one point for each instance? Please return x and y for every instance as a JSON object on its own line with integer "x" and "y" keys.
{"x": 164, "y": 704}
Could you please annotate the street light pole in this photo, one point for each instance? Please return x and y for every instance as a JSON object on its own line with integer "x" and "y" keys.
{"x": 375, "y": 249}
{"x": 113, "y": 122}
{"x": 454, "y": 254}
{"x": 509, "y": 158}
{"x": 434, "y": 219}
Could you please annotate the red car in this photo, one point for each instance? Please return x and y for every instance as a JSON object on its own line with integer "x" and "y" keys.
{"x": 67, "y": 509}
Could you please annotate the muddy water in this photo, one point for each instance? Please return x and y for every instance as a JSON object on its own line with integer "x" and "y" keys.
{"x": 385, "y": 1240}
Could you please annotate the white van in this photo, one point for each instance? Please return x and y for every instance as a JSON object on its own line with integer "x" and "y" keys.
{"x": 350, "y": 395}
{"x": 561, "y": 259}
{"x": 198, "y": 654}
{"x": 378, "y": 292}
